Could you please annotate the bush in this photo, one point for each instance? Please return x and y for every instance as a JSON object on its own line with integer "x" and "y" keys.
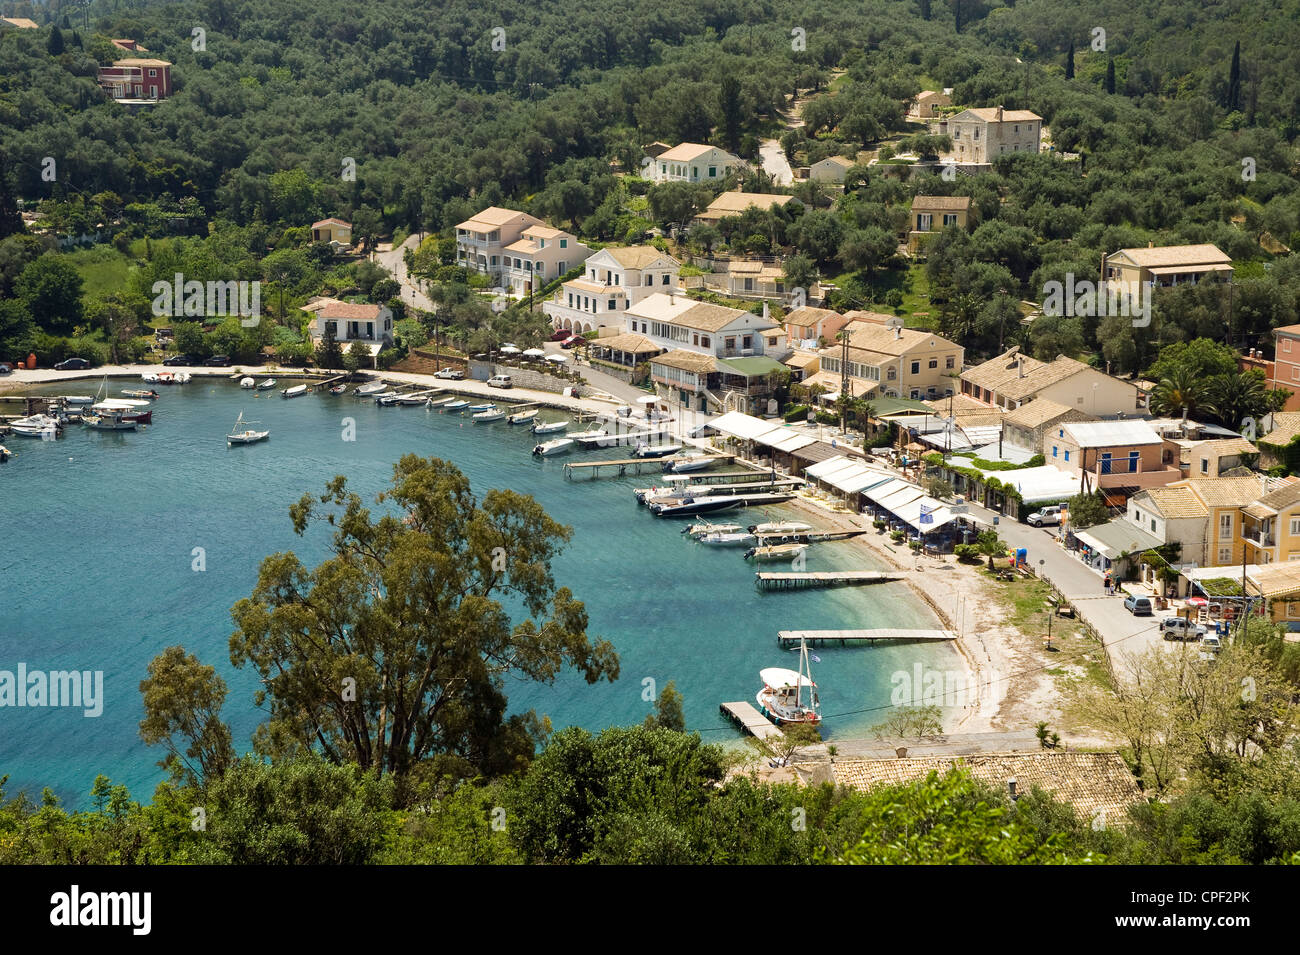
{"x": 797, "y": 413}
{"x": 825, "y": 417}
{"x": 896, "y": 536}
{"x": 387, "y": 357}
{"x": 967, "y": 553}
{"x": 878, "y": 525}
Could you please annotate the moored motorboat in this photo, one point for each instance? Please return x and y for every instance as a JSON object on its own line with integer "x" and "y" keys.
{"x": 728, "y": 539}
{"x": 78, "y": 399}
{"x": 266, "y": 385}
{"x": 294, "y": 392}
{"x": 411, "y": 401}
{"x": 108, "y": 421}
{"x": 595, "y": 435}
{"x": 548, "y": 427}
{"x": 138, "y": 411}
{"x": 374, "y": 388}
{"x": 695, "y": 505}
{"x": 522, "y": 417}
{"x": 644, "y": 450}
{"x": 705, "y": 527}
{"x": 555, "y": 446}
{"x": 247, "y": 383}
{"x": 495, "y": 414}
{"x": 36, "y": 426}
{"x": 440, "y": 402}
{"x": 338, "y": 389}
{"x": 483, "y": 406}
{"x": 790, "y": 696}
{"x": 770, "y": 552}
{"x": 139, "y": 393}
{"x": 780, "y": 527}
{"x": 388, "y": 399}
{"x": 457, "y": 405}
{"x": 697, "y": 461}
{"x": 241, "y": 435}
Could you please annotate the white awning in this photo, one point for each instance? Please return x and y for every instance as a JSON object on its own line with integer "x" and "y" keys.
{"x": 896, "y": 500}
{"x": 740, "y": 425}
{"x": 823, "y": 468}
{"x": 1117, "y": 537}
{"x": 878, "y": 494}
{"x": 787, "y": 439}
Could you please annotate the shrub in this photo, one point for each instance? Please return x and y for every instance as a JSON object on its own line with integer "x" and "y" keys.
{"x": 797, "y": 413}
{"x": 896, "y": 536}
{"x": 967, "y": 553}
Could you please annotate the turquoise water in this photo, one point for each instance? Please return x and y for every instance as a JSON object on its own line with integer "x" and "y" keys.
{"x": 96, "y": 573}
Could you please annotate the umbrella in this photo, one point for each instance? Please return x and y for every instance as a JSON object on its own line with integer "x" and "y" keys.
{"x": 648, "y": 399}
{"x": 560, "y": 359}
{"x": 534, "y": 353}
{"x": 1196, "y": 601}
{"x": 508, "y": 350}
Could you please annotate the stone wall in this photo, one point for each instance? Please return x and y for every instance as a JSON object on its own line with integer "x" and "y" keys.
{"x": 523, "y": 377}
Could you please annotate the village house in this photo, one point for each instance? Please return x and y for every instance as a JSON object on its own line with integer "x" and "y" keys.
{"x": 734, "y": 203}
{"x": 481, "y": 241}
{"x": 1279, "y": 585}
{"x": 614, "y": 280}
{"x": 137, "y": 80}
{"x": 540, "y": 255}
{"x": 693, "y": 162}
{"x": 750, "y": 278}
{"x": 809, "y": 327}
{"x": 830, "y": 169}
{"x": 1283, "y": 373}
{"x": 929, "y": 104}
{"x": 19, "y": 23}
{"x": 899, "y": 362}
{"x": 1270, "y": 526}
{"x": 1201, "y": 516}
{"x": 933, "y": 214}
{"x": 372, "y": 325}
{"x": 981, "y": 135}
{"x": 1120, "y": 457}
{"x": 130, "y": 46}
{"x": 1028, "y": 425}
{"x": 1013, "y": 379}
{"x": 1165, "y": 266}
{"x": 1214, "y": 457}
{"x": 334, "y": 231}
{"x": 1278, "y": 446}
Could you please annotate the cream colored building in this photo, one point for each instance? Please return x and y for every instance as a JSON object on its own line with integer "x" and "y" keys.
{"x": 734, "y": 203}
{"x": 481, "y": 241}
{"x": 897, "y": 362}
{"x": 981, "y": 135}
{"x": 1166, "y": 265}
{"x": 830, "y": 169}
{"x": 933, "y": 214}
{"x": 615, "y": 279}
{"x": 540, "y": 255}
{"x": 693, "y": 162}
{"x": 1013, "y": 379}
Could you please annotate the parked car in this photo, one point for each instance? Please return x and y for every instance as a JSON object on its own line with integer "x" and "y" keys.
{"x": 1212, "y": 642}
{"x": 1138, "y": 605}
{"x": 72, "y": 364}
{"x": 1180, "y": 628}
{"x": 1045, "y": 516}
{"x": 560, "y": 335}
{"x": 217, "y": 361}
{"x": 453, "y": 374}
{"x": 176, "y": 360}
{"x": 572, "y": 340}
{"x": 500, "y": 381}
{"x": 5, "y": 368}
{"x": 702, "y": 431}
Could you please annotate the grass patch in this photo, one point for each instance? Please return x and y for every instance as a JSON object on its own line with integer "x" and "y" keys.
{"x": 103, "y": 269}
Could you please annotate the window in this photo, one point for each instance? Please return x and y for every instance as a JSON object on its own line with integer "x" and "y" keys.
{"x": 1067, "y": 454}
{"x": 561, "y": 268}
{"x": 695, "y": 340}
{"x": 613, "y": 304}
{"x": 1079, "y": 400}
{"x": 704, "y": 342}
{"x": 649, "y": 280}
{"x": 1286, "y": 345}
{"x": 948, "y": 363}
{"x": 153, "y": 72}
{"x": 1225, "y": 525}
{"x": 1295, "y": 526}
{"x": 665, "y": 281}
{"x": 713, "y": 172}
{"x": 892, "y": 373}
{"x": 1225, "y": 557}
{"x": 924, "y": 220}
{"x": 1054, "y": 454}
{"x": 564, "y": 243}
{"x": 916, "y": 367}
{"x": 934, "y": 363}
{"x": 1295, "y": 372}
{"x": 976, "y": 134}
{"x": 1205, "y": 465}
{"x": 949, "y": 218}
{"x": 1060, "y": 432}
{"x": 747, "y": 341}
{"x": 729, "y": 343}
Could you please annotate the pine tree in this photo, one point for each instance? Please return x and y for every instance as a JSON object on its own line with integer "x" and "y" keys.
{"x": 925, "y": 9}
{"x": 956, "y": 12}
{"x": 329, "y": 354}
{"x": 55, "y": 45}
{"x": 1234, "y": 80}
{"x": 1069, "y": 62}
{"x": 1110, "y": 75}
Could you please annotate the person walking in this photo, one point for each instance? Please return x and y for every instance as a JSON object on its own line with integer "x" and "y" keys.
{"x": 1106, "y": 584}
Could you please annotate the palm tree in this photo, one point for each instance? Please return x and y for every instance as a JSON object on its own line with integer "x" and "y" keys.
{"x": 1181, "y": 393}
{"x": 1235, "y": 398}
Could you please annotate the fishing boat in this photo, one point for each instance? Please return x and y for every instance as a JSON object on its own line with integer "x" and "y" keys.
{"x": 248, "y": 384}
{"x": 374, "y": 388}
{"x": 338, "y": 389}
{"x": 688, "y": 462}
{"x": 139, "y": 393}
{"x": 695, "y": 505}
{"x": 439, "y": 402}
{"x": 411, "y": 401}
{"x": 485, "y": 406}
{"x": 548, "y": 427}
{"x": 705, "y": 527}
{"x": 594, "y": 435}
{"x": 36, "y": 426}
{"x": 388, "y": 398}
{"x": 294, "y": 392}
{"x": 790, "y": 696}
{"x": 266, "y": 385}
{"x": 78, "y": 399}
{"x": 129, "y": 410}
{"x": 644, "y": 450}
{"x": 554, "y": 446}
{"x": 780, "y": 527}
{"x": 108, "y": 421}
{"x": 769, "y": 552}
{"x": 728, "y": 539}
{"x": 494, "y": 414}
{"x": 241, "y": 435}
{"x": 522, "y": 417}
{"x": 457, "y": 405}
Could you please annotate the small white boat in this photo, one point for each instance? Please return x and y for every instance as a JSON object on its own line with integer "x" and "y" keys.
{"x": 728, "y": 539}
{"x": 78, "y": 399}
{"x": 696, "y": 461}
{"x": 644, "y": 450}
{"x": 496, "y": 414}
{"x": 555, "y": 446}
{"x": 522, "y": 417}
{"x": 338, "y": 389}
{"x": 150, "y": 376}
{"x": 705, "y": 527}
{"x": 593, "y": 435}
{"x": 772, "y": 552}
{"x": 440, "y": 402}
{"x": 780, "y": 527}
{"x": 485, "y": 406}
{"x": 548, "y": 427}
{"x": 266, "y": 385}
{"x": 374, "y": 388}
{"x": 241, "y": 435}
{"x": 139, "y": 393}
{"x": 36, "y": 426}
{"x": 455, "y": 405}
{"x": 294, "y": 392}
{"x": 790, "y": 696}
{"x": 108, "y": 421}
{"x": 388, "y": 399}
{"x": 412, "y": 400}
{"x": 247, "y": 383}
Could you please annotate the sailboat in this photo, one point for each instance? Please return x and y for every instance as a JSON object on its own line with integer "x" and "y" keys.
{"x": 790, "y": 696}
{"x": 241, "y": 435}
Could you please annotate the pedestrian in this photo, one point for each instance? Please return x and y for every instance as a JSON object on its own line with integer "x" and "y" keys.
{"x": 1106, "y": 584}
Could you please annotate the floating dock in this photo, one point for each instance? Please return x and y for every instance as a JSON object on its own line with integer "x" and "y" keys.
{"x": 832, "y": 578}
{"x": 787, "y": 638}
{"x": 722, "y": 477}
{"x": 750, "y": 720}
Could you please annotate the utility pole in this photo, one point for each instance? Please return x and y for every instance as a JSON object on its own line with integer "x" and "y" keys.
{"x": 844, "y": 378}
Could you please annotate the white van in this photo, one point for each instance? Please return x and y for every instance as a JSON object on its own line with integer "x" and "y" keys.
{"x": 1211, "y": 642}
{"x": 1047, "y": 516}
{"x": 500, "y": 381}
{"x": 1180, "y": 628}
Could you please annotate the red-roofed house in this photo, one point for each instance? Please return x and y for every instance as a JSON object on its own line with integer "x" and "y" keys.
{"x": 332, "y": 230}
{"x": 137, "y": 80}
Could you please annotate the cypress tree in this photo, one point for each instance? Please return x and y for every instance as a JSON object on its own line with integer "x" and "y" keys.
{"x": 1110, "y": 75}
{"x": 1234, "y": 80}
{"x": 1069, "y": 62}
{"x": 925, "y": 9}
{"x": 55, "y": 45}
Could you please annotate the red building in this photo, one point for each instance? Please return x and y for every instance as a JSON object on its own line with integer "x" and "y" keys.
{"x": 1285, "y": 366}
{"x": 137, "y": 79}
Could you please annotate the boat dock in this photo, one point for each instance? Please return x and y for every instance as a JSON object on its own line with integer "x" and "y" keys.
{"x": 788, "y": 638}
{"x": 834, "y": 578}
{"x": 750, "y": 720}
{"x": 620, "y": 466}
{"x": 725, "y": 477}
{"x": 810, "y": 537}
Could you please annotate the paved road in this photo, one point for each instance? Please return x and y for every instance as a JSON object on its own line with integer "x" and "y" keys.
{"x": 774, "y": 162}
{"x": 1080, "y": 585}
{"x": 394, "y": 261}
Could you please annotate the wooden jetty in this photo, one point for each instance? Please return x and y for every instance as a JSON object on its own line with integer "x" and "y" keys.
{"x": 833, "y": 578}
{"x": 321, "y": 385}
{"x": 788, "y": 638}
{"x": 750, "y": 720}
{"x": 785, "y": 484}
{"x": 724, "y": 477}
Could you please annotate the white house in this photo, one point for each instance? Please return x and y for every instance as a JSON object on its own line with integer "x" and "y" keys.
{"x": 540, "y": 255}
{"x": 482, "y": 240}
{"x": 615, "y": 279}
{"x": 830, "y": 169}
{"x": 675, "y": 321}
{"x": 981, "y": 135}
{"x": 372, "y": 325}
{"x": 693, "y": 162}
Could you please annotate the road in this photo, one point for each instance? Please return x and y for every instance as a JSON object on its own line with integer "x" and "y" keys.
{"x": 1079, "y": 584}
{"x": 394, "y": 261}
{"x": 774, "y": 162}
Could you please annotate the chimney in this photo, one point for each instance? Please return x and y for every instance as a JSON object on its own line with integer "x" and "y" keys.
{"x": 999, "y": 119}
{"x": 1011, "y": 788}
{"x": 898, "y": 332}
{"x": 1020, "y": 366}
{"x": 671, "y": 297}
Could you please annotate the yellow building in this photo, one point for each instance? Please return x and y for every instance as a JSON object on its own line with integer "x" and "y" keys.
{"x": 1271, "y": 526}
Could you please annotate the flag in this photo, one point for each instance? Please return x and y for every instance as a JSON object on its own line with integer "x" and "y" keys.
{"x": 927, "y": 515}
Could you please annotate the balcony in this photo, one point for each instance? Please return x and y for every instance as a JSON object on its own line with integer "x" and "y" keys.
{"x": 1122, "y": 472}
{"x": 1260, "y": 537}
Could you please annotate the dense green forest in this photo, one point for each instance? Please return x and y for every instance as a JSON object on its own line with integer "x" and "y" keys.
{"x": 444, "y": 114}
